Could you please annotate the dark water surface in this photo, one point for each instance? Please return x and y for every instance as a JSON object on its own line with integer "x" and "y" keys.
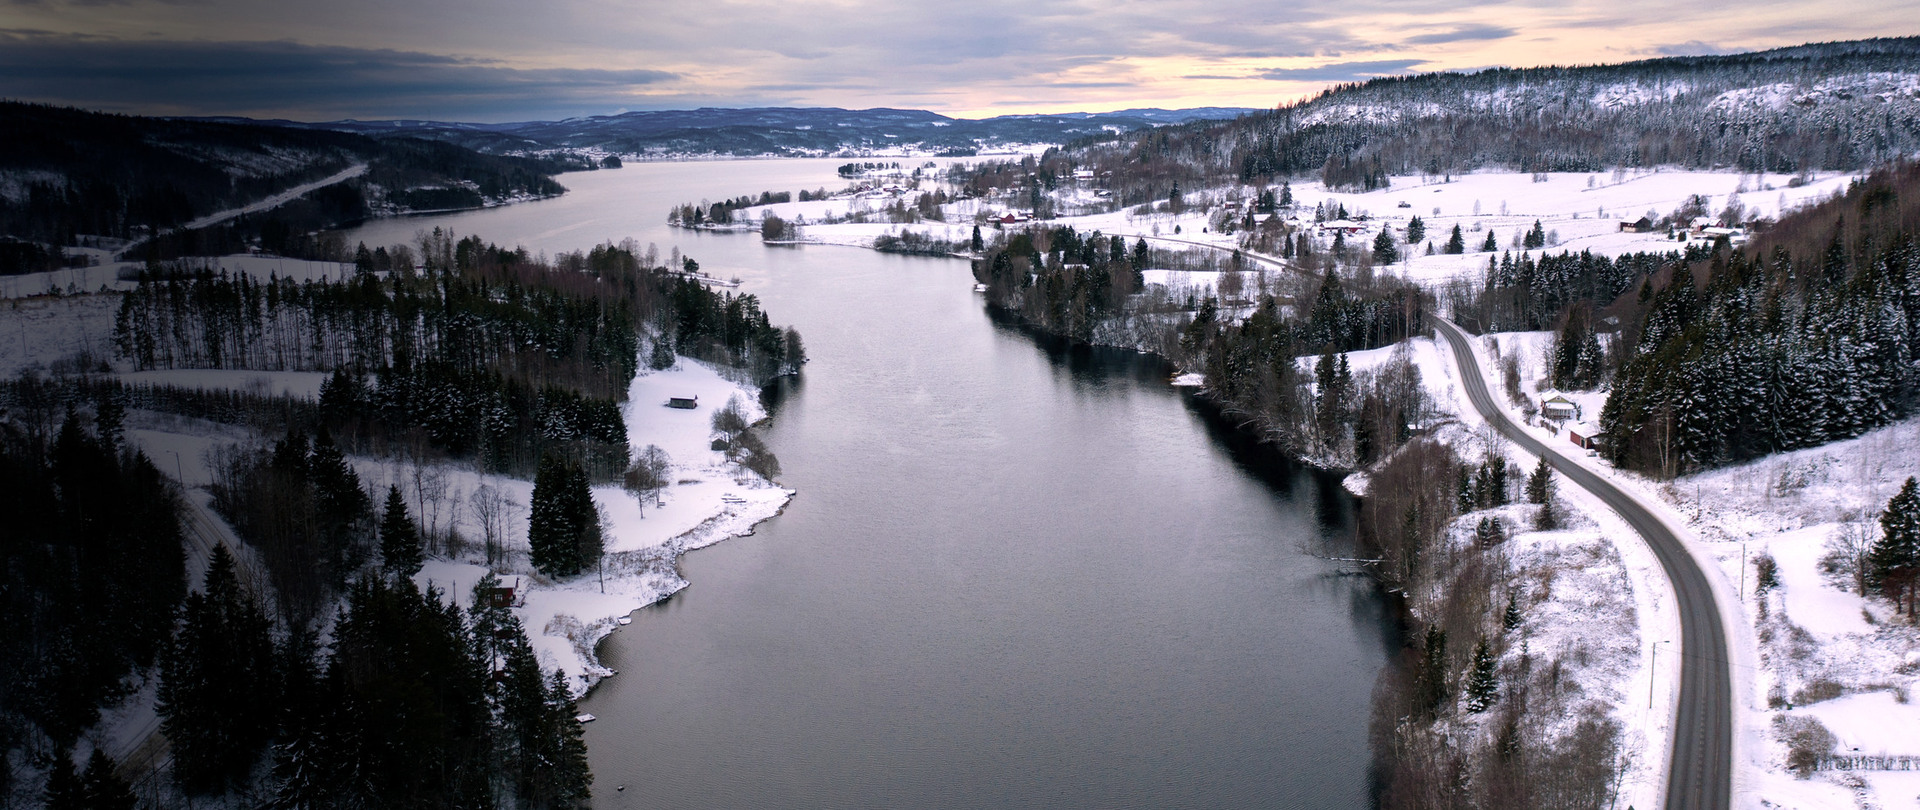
{"x": 1014, "y": 575}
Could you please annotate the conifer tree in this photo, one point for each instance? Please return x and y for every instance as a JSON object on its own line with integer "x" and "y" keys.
{"x": 1416, "y": 230}
{"x": 218, "y": 684}
{"x": 1456, "y": 243}
{"x": 1893, "y": 564}
{"x": 549, "y": 533}
{"x": 1488, "y": 532}
{"x": 1511, "y": 618}
{"x": 977, "y": 243}
{"x": 1548, "y": 517}
{"x": 64, "y": 791}
{"x": 1430, "y": 682}
{"x": 102, "y": 788}
{"x": 1384, "y": 251}
{"x": 1540, "y": 484}
{"x": 399, "y": 538}
{"x": 1483, "y": 688}
{"x": 1491, "y": 244}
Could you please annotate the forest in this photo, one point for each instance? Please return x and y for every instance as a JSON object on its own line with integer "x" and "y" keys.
{"x": 1805, "y": 336}
{"x": 1822, "y": 107}
{"x": 307, "y": 652}
{"x": 1082, "y": 289}
{"x": 73, "y": 173}
{"x": 477, "y": 352}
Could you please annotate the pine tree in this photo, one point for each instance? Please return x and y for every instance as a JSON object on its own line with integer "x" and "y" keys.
{"x": 1547, "y": 518}
{"x": 1540, "y": 484}
{"x": 1511, "y": 619}
{"x": 1496, "y": 477}
{"x": 110, "y": 420}
{"x": 1384, "y": 251}
{"x": 102, "y": 788}
{"x": 1893, "y": 563}
{"x": 64, "y": 791}
{"x": 1457, "y": 243}
{"x": 1483, "y": 688}
{"x": 399, "y": 538}
{"x": 1489, "y": 532}
{"x": 1431, "y": 680}
{"x": 218, "y": 684}
{"x": 568, "y": 781}
{"x": 1491, "y": 244}
{"x": 660, "y": 357}
{"x": 549, "y": 533}
{"x": 1416, "y": 230}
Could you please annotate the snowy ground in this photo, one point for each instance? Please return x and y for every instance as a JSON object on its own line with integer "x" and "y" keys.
{"x": 1578, "y": 210}
{"x": 1813, "y": 643}
{"x": 709, "y": 501}
{"x": 46, "y": 331}
{"x": 1602, "y": 600}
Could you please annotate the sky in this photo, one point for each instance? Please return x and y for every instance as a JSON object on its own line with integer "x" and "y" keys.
{"x": 516, "y": 60}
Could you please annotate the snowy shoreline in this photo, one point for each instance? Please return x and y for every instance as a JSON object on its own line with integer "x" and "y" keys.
{"x": 709, "y": 500}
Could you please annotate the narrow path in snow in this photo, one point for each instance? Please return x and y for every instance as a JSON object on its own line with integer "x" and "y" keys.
{"x": 1700, "y": 770}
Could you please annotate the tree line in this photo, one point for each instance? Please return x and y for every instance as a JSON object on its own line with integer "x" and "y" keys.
{"x": 1805, "y": 337}
{"x": 91, "y": 568}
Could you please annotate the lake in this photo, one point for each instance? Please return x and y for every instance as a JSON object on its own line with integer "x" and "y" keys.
{"x": 1014, "y": 575}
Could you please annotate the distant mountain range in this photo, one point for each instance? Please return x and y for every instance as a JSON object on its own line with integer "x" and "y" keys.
{"x": 783, "y": 131}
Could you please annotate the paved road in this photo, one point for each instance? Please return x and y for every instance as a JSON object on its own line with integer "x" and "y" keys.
{"x": 1701, "y": 774}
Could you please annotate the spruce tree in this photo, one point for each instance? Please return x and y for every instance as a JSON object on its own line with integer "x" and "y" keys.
{"x": 1894, "y": 560}
{"x": 1384, "y": 251}
{"x": 1489, "y": 532}
{"x": 1457, "y": 243}
{"x": 977, "y": 243}
{"x": 102, "y": 788}
{"x": 64, "y": 791}
{"x": 1430, "y": 682}
{"x": 1483, "y": 688}
{"x": 567, "y": 779}
{"x": 1491, "y": 244}
{"x": 660, "y": 358}
{"x": 1547, "y": 518}
{"x": 399, "y": 538}
{"x": 219, "y": 684}
{"x": 1540, "y": 484}
{"x": 549, "y": 534}
{"x": 1416, "y": 230}
{"x": 1511, "y": 618}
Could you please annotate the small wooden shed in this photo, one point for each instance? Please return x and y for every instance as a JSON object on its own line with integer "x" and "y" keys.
{"x": 683, "y": 403}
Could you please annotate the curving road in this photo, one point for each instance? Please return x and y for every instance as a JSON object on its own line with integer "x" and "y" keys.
{"x": 1700, "y": 775}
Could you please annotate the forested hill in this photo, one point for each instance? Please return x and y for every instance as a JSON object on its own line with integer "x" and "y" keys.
{"x": 66, "y": 173}
{"x": 784, "y": 131}
{"x": 1831, "y": 106}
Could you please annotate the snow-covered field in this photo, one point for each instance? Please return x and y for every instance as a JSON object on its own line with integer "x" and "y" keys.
{"x": 1578, "y": 210}
{"x": 38, "y": 332}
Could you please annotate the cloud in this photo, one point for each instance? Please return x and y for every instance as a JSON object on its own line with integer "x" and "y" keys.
{"x": 1342, "y": 71}
{"x": 1464, "y": 33}
{"x": 278, "y": 78}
